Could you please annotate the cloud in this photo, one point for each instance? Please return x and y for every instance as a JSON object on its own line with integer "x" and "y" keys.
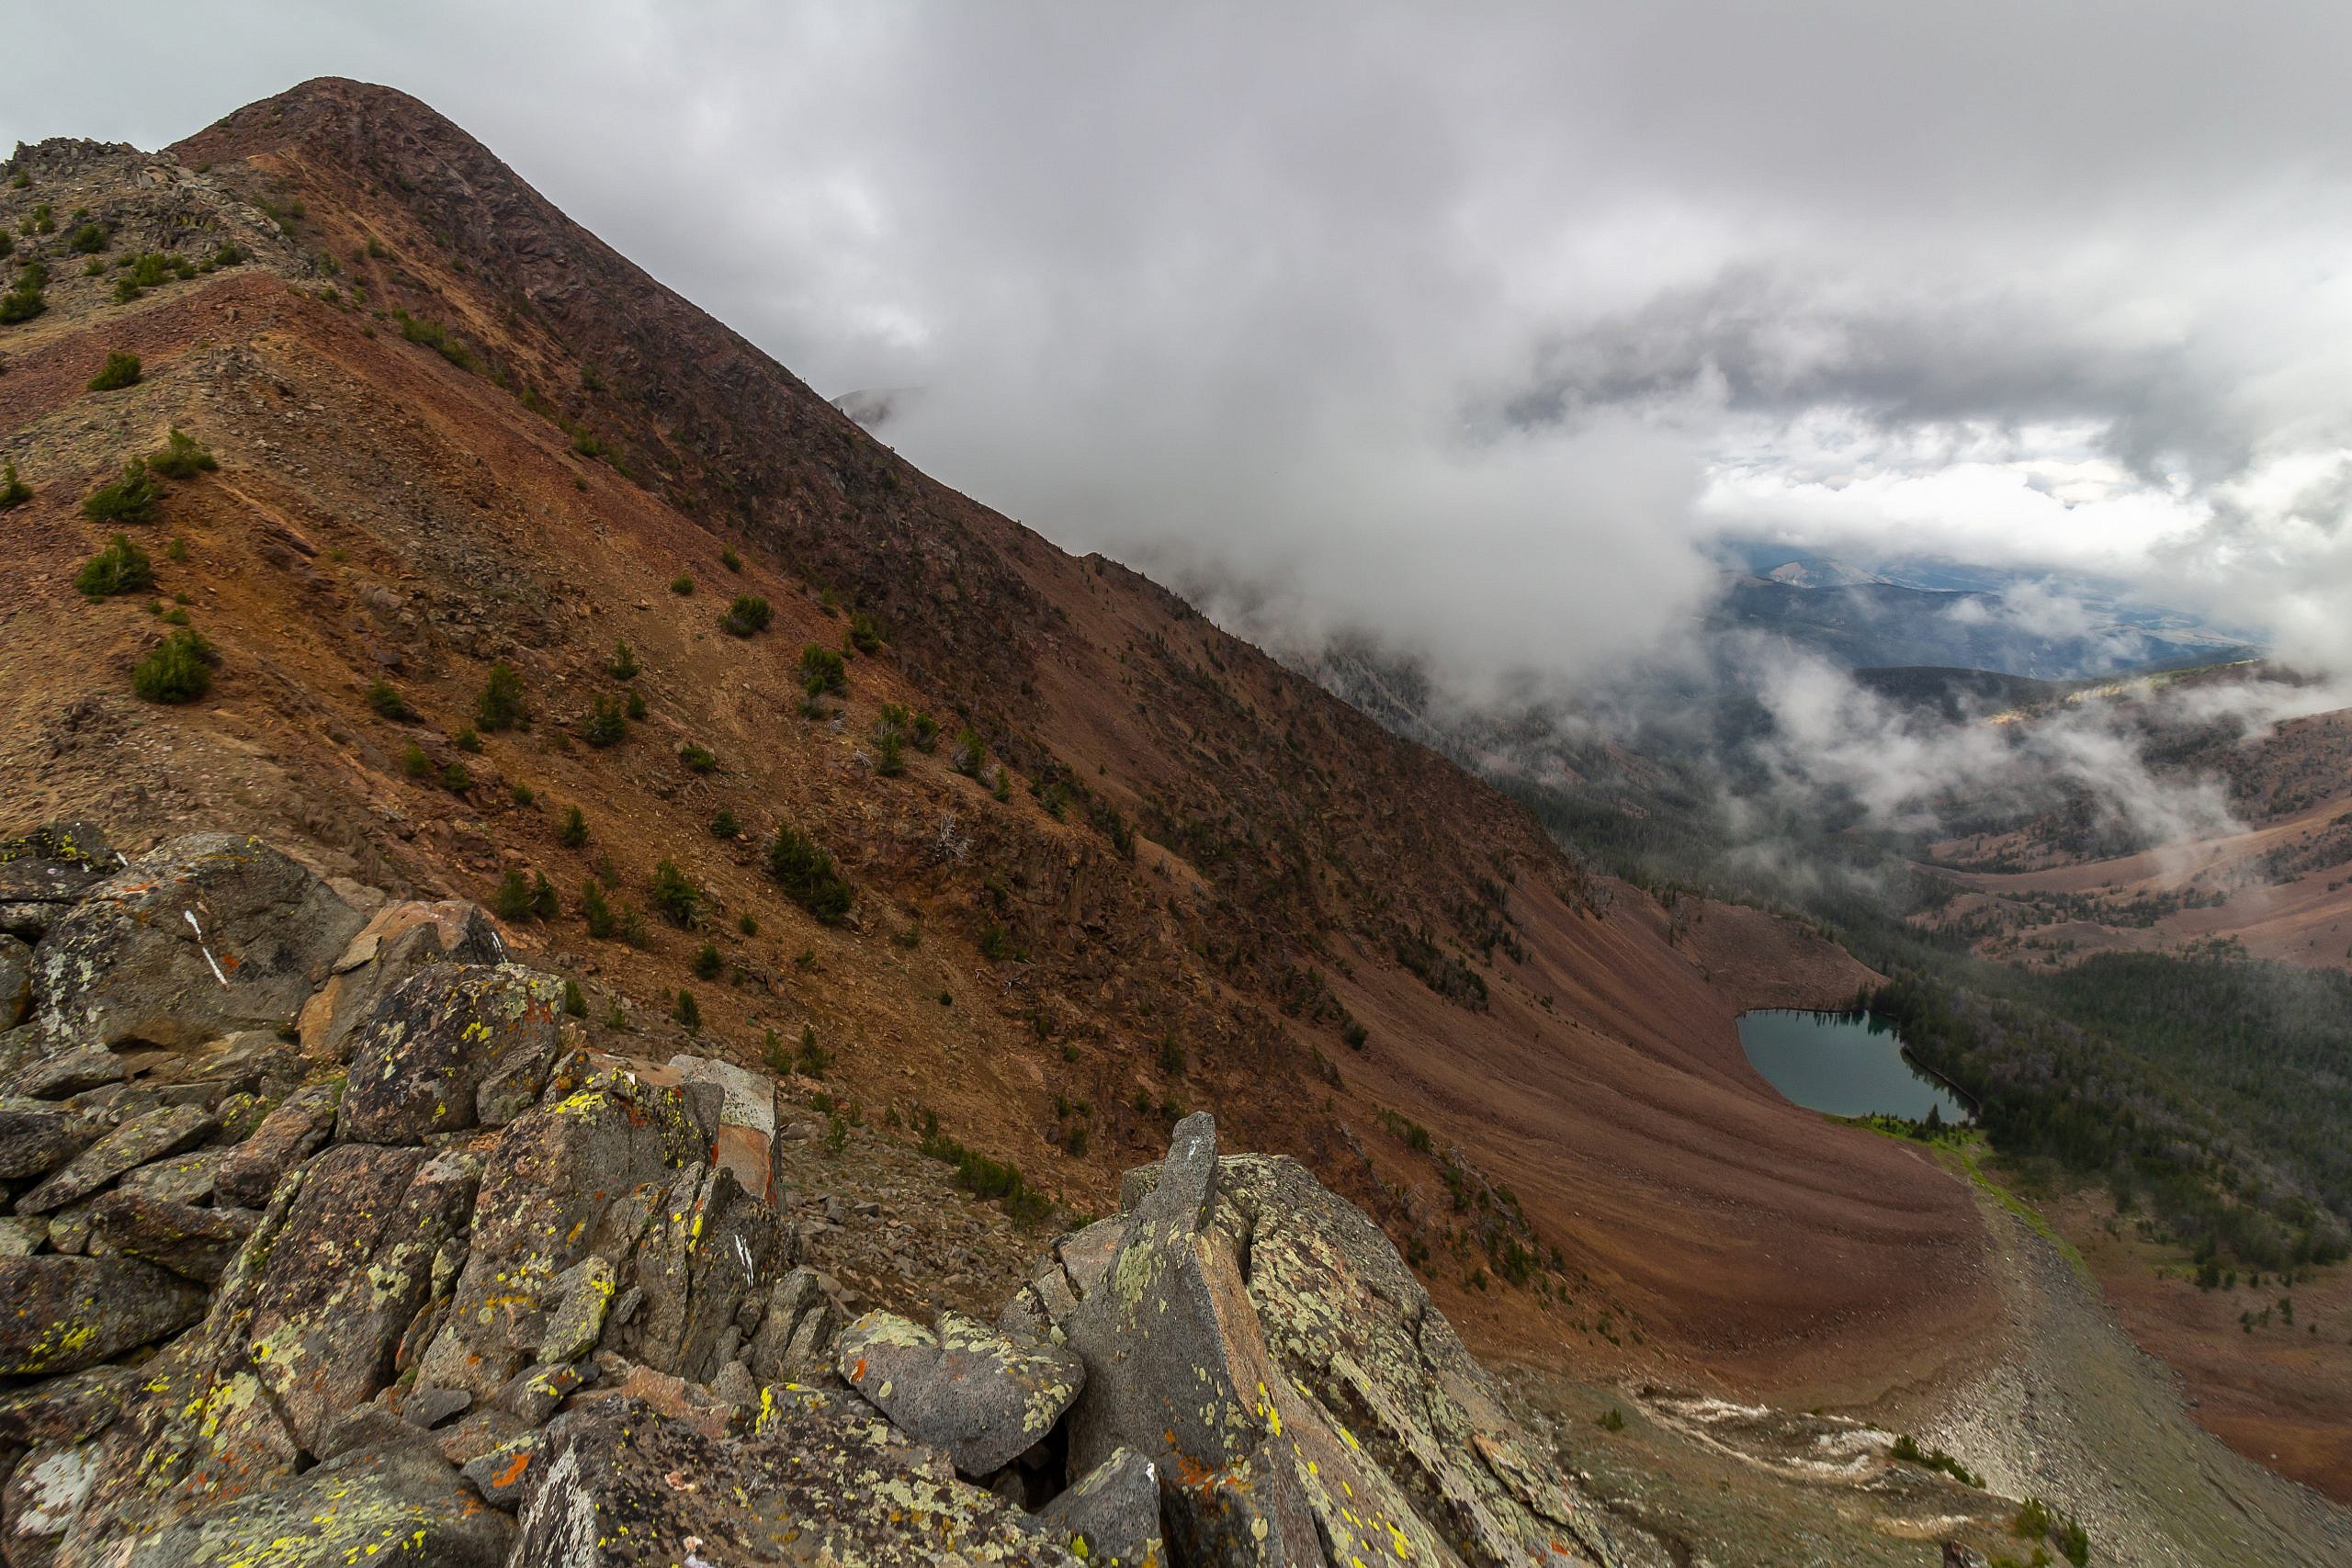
{"x": 1464, "y": 330}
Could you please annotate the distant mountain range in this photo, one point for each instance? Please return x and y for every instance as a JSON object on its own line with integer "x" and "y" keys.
{"x": 2046, "y": 626}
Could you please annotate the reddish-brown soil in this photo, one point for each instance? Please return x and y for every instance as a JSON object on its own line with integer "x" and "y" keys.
{"x": 2278, "y": 1391}
{"x": 382, "y": 511}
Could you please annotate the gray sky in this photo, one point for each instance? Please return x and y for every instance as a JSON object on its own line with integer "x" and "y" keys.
{"x": 1469, "y": 324}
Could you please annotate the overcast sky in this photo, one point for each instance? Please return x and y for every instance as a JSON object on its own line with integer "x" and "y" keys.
{"x": 1469, "y": 324}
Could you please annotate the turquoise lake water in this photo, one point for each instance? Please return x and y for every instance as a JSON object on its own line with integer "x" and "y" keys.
{"x": 1846, "y": 1063}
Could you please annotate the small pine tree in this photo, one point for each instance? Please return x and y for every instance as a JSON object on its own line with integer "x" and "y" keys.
{"x": 623, "y": 665}
{"x": 13, "y": 492}
{"x": 890, "y": 755}
{"x": 675, "y": 894}
{"x": 823, "y": 670}
{"x": 513, "y": 899}
{"x": 971, "y": 753}
{"x": 501, "y": 700}
{"x": 706, "y": 962}
{"x": 545, "y": 905}
{"x": 688, "y": 1011}
{"x": 772, "y": 1052}
{"x": 724, "y": 825}
{"x": 573, "y": 834}
{"x": 121, "y": 568}
{"x": 606, "y": 724}
{"x": 728, "y": 559}
{"x": 131, "y": 499}
{"x": 748, "y": 616}
{"x": 120, "y": 370}
{"x": 574, "y": 1004}
{"x": 748, "y": 923}
{"x": 179, "y": 670}
{"x": 182, "y": 457}
{"x": 596, "y": 910}
{"x": 386, "y": 699}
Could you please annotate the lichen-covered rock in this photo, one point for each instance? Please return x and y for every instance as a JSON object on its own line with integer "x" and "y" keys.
{"x": 1316, "y": 1402}
{"x": 576, "y": 1177}
{"x": 202, "y": 937}
{"x": 745, "y": 1138}
{"x": 798, "y": 1330}
{"x": 178, "y": 1179}
{"x": 1110, "y": 1518}
{"x": 348, "y": 1272}
{"x": 63, "y": 1410}
{"x": 163, "y": 1131}
{"x": 817, "y": 1482}
{"x": 399, "y": 1503}
{"x": 16, "y": 981}
{"x": 453, "y": 1046}
{"x": 249, "y": 1173}
{"x": 60, "y": 1313}
{"x": 37, "y": 1137}
{"x": 708, "y": 1247}
{"x": 193, "y": 1243}
{"x": 45, "y": 1494}
{"x": 398, "y": 941}
{"x": 60, "y": 1075}
{"x": 56, "y": 863}
{"x": 964, "y": 1386}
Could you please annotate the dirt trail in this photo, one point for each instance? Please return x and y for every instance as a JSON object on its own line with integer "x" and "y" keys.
{"x": 2075, "y": 1413}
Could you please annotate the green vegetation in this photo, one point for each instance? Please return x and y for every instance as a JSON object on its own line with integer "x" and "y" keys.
{"x": 1906, "y": 1449}
{"x": 706, "y": 962}
{"x": 573, "y": 834}
{"x": 13, "y": 492}
{"x": 182, "y": 457}
{"x": 698, "y": 758}
{"x": 971, "y": 753}
{"x": 414, "y": 762}
{"x": 121, "y": 568}
{"x": 456, "y": 779}
{"x": 730, "y": 559}
{"x": 89, "y": 239}
{"x": 682, "y": 584}
{"x": 131, "y": 499}
{"x": 983, "y": 1177}
{"x": 675, "y": 894}
{"x": 864, "y": 634}
{"x": 1611, "y": 1420}
{"x": 634, "y": 705}
{"x": 748, "y": 616}
{"x": 823, "y": 670}
{"x": 724, "y": 825}
{"x": 687, "y": 1011}
{"x": 623, "y": 665}
{"x": 438, "y": 338}
{"x": 501, "y": 707}
{"x": 120, "y": 370}
{"x": 606, "y": 724}
{"x": 806, "y": 873}
{"x": 466, "y": 740}
{"x": 179, "y": 670}
{"x": 596, "y": 910}
{"x": 574, "y": 1004}
{"x": 24, "y": 299}
{"x": 512, "y": 901}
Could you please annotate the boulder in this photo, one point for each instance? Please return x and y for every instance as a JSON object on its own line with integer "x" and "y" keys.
{"x": 744, "y": 1139}
{"x": 16, "y": 981}
{"x": 963, "y": 1386}
{"x": 179, "y": 1178}
{"x": 55, "y": 864}
{"x": 60, "y": 1313}
{"x": 399, "y": 1502}
{"x": 1110, "y": 1516}
{"x": 249, "y": 1173}
{"x": 45, "y": 1494}
{"x": 397, "y": 941}
{"x": 64, "y": 1410}
{"x": 196, "y": 1244}
{"x": 815, "y": 1482}
{"x": 709, "y": 1246}
{"x": 1316, "y": 1402}
{"x": 453, "y": 1046}
{"x": 577, "y": 1178}
{"x": 163, "y": 1131}
{"x": 202, "y": 937}
{"x": 37, "y": 1137}
{"x": 65, "y": 1074}
{"x": 798, "y": 1330}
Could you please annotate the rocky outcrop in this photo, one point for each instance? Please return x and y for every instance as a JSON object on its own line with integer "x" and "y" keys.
{"x": 399, "y": 940}
{"x": 816, "y": 1480}
{"x": 57, "y": 1314}
{"x": 47, "y": 871}
{"x": 202, "y": 937}
{"x": 963, "y": 1386}
{"x": 1313, "y": 1406}
{"x": 453, "y": 1046}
